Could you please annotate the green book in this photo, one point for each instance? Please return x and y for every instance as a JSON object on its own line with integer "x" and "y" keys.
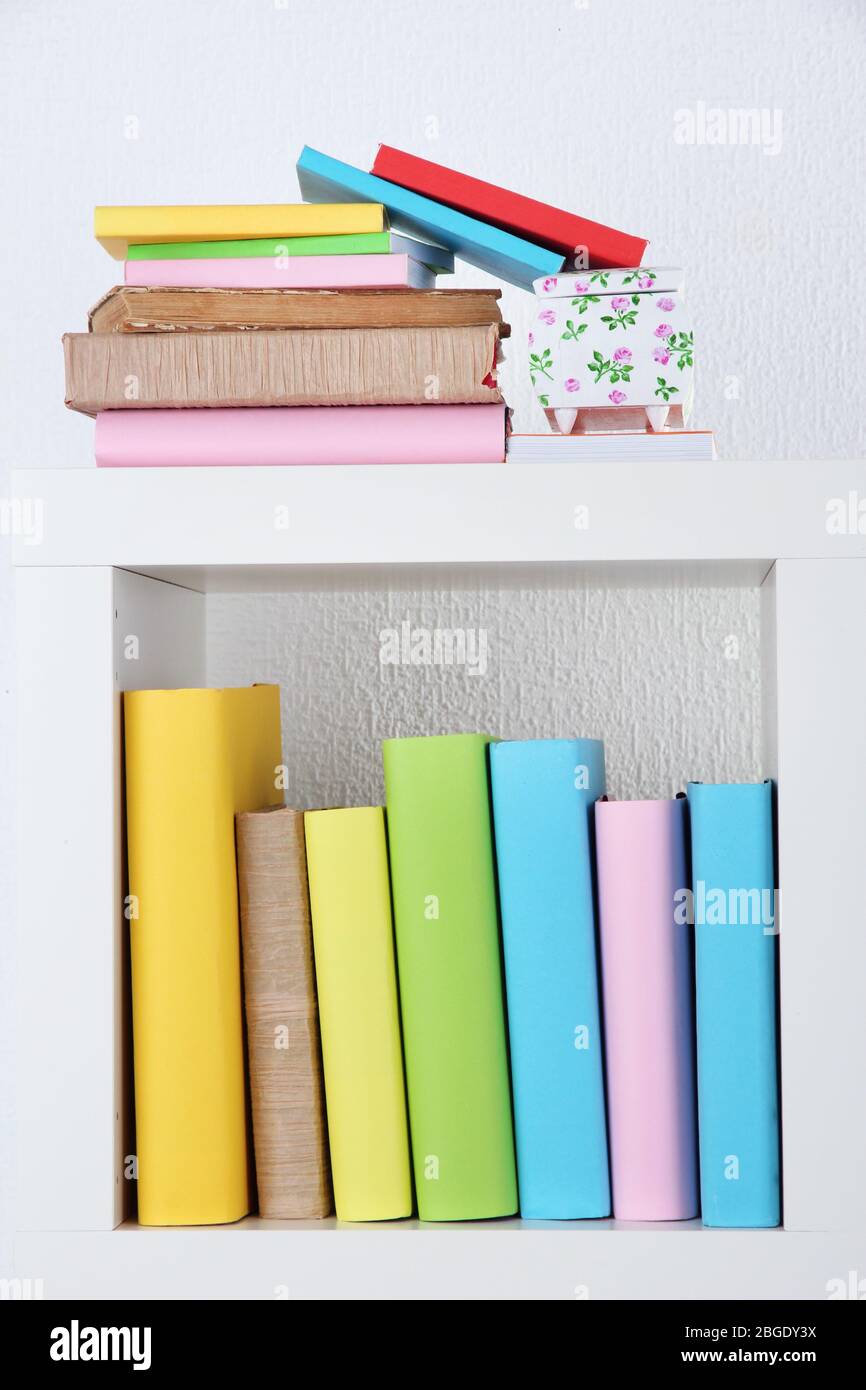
{"x": 448, "y": 959}
{"x": 358, "y": 244}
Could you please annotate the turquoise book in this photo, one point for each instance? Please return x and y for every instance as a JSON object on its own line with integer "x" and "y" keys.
{"x": 544, "y": 791}
{"x": 734, "y": 912}
{"x": 326, "y": 180}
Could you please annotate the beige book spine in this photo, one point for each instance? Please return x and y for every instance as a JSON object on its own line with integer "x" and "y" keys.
{"x": 131, "y": 309}
{"x": 285, "y": 1064}
{"x": 347, "y": 366}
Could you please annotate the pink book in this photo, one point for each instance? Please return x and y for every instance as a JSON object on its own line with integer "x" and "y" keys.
{"x": 281, "y": 435}
{"x": 648, "y": 1018}
{"x": 288, "y": 273}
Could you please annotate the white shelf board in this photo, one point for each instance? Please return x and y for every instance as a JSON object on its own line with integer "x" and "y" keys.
{"x": 208, "y": 523}
{"x": 256, "y": 1259}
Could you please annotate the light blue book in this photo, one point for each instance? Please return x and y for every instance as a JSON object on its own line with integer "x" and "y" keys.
{"x": 326, "y": 180}
{"x": 735, "y": 969}
{"x": 543, "y": 795}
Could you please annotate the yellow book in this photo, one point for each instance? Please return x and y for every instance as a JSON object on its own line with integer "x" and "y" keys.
{"x": 118, "y": 227}
{"x": 350, "y": 903}
{"x": 193, "y": 759}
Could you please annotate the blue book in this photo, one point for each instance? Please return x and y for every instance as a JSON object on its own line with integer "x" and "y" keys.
{"x": 326, "y": 180}
{"x": 543, "y": 795}
{"x": 735, "y": 969}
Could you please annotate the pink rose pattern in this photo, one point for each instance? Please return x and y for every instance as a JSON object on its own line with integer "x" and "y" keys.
{"x": 626, "y": 311}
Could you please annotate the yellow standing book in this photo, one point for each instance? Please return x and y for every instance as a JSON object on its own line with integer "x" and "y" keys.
{"x": 116, "y": 228}
{"x": 193, "y": 759}
{"x": 350, "y": 904}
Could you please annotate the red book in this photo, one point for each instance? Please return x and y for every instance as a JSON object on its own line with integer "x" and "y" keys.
{"x": 525, "y": 217}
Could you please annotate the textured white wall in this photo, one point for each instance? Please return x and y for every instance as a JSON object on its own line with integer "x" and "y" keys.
{"x": 668, "y": 678}
{"x": 574, "y": 102}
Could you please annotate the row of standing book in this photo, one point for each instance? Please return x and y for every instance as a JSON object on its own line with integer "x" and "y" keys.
{"x": 503, "y": 992}
{"x": 315, "y": 333}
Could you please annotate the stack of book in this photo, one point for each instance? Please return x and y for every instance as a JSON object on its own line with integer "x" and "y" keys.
{"x": 423, "y": 994}
{"x": 283, "y": 310}
{"x": 611, "y": 346}
{"x": 284, "y": 335}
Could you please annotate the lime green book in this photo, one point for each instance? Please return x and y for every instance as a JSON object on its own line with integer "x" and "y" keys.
{"x": 348, "y": 245}
{"x": 275, "y": 248}
{"x": 448, "y": 965}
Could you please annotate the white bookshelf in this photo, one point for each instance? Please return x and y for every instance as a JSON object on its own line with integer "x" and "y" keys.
{"x": 137, "y": 551}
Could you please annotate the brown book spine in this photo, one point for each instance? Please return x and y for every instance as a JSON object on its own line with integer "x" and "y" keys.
{"x": 285, "y": 1063}
{"x": 130, "y": 309}
{"x": 346, "y": 366}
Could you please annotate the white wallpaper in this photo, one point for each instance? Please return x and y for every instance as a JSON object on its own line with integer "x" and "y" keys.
{"x": 669, "y": 678}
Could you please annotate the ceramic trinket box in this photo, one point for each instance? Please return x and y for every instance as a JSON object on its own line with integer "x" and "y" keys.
{"x": 612, "y": 340}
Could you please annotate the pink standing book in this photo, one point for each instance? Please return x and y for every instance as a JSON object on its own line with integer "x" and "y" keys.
{"x": 389, "y": 271}
{"x": 316, "y": 434}
{"x": 648, "y": 1016}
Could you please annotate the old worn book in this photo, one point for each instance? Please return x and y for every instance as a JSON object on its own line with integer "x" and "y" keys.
{"x": 283, "y": 1045}
{"x": 325, "y": 366}
{"x": 130, "y": 309}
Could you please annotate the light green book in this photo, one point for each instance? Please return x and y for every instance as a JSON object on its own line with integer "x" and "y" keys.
{"x": 359, "y": 244}
{"x": 448, "y": 959}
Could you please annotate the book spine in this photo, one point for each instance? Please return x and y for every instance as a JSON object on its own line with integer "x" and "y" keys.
{"x": 646, "y": 971}
{"x": 347, "y": 366}
{"x": 450, "y": 976}
{"x": 362, "y": 244}
{"x": 364, "y": 1086}
{"x": 116, "y": 227}
{"x": 285, "y": 1065}
{"x": 282, "y": 273}
{"x": 301, "y": 435}
{"x": 508, "y": 257}
{"x": 543, "y": 792}
{"x": 193, "y": 759}
{"x": 597, "y": 246}
{"x": 735, "y": 966}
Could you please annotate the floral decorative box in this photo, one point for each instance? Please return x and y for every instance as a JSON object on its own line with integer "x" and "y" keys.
{"x": 612, "y": 340}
